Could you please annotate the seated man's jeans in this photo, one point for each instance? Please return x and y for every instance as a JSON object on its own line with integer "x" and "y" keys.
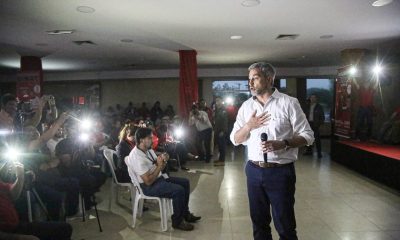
{"x": 176, "y": 188}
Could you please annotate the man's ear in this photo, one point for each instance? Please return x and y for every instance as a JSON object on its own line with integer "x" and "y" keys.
{"x": 270, "y": 80}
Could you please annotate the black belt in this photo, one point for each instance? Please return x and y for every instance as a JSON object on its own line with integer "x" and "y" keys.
{"x": 263, "y": 164}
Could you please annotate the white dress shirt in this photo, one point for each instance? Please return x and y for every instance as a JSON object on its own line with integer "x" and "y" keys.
{"x": 202, "y": 122}
{"x": 287, "y": 120}
{"x": 140, "y": 162}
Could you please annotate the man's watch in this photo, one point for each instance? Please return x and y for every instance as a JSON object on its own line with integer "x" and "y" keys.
{"x": 287, "y": 145}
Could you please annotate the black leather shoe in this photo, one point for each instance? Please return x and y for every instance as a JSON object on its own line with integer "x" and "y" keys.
{"x": 184, "y": 226}
{"x": 192, "y": 218}
{"x": 185, "y": 168}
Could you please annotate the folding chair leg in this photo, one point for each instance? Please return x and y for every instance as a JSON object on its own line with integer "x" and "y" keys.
{"x": 83, "y": 208}
{"x": 164, "y": 226}
{"x": 170, "y": 208}
{"x": 111, "y": 195}
{"x": 140, "y": 207}
{"x": 135, "y": 205}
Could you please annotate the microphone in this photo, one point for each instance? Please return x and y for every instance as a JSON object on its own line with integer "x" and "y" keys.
{"x": 264, "y": 137}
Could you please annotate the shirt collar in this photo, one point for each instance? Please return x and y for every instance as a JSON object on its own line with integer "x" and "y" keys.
{"x": 275, "y": 94}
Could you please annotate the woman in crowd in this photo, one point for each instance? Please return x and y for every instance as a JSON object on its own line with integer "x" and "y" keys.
{"x": 124, "y": 147}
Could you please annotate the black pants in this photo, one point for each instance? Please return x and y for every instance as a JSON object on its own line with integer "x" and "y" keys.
{"x": 272, "y": 189}
{"x": 46, "y": 230}
{"x": 317, "y": 140}
{"x": 90, "y": 182}
{"x": 53, "y": 196}
{"x": 176, "y": 150}
{"x": 364, "y": 114}
{"x": 221, "y": 143}
{"x": 205, "y": 138}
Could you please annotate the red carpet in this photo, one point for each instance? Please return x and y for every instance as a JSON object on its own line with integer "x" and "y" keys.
{"x": 390, "y": 151}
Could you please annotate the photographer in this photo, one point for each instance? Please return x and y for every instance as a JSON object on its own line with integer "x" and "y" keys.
{"x": 146, "y": 167}
{"x": 174, "y": 148}
{"x": 75, "y": 162}
{"x": 10, "y": 224}
{"x": 11, "y": 119}
{"x": 204, "y": 131}
{"x": 49, "y": 184}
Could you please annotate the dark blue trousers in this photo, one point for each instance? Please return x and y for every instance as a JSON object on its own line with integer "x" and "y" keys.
{"x": 221, "y": 143}
{"x": 272, "y": 190}
{"x": 364, "y": 114}
{"x": 176, "y": 188}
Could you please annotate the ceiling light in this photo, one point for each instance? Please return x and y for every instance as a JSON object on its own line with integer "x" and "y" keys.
{"x": 380, "y": 3}
{"x": 250, "y": 3}
{"x": 85, "y": 9}
{"x": 236, "y": 37}
{"x": 126, "y": 40}
{"x": 59, "y": 32}
{"x": 326, "y": 36}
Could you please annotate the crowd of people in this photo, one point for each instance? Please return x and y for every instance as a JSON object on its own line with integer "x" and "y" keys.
{"x": 51, "y": 150}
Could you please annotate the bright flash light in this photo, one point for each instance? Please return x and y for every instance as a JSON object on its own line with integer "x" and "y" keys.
{"x": 179, "y": 133}
{"x": 84, "y": 137}
{"x": 86, "y": 124}
{"x": 4, "y": 132}
{"x": 353, "y": 71}
{"x": 229, "y": 100}
{"x": 377, "y": 69}
{"x": 12, "y": 154}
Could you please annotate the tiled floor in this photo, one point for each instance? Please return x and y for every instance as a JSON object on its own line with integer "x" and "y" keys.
{"x": 332, "y": 203}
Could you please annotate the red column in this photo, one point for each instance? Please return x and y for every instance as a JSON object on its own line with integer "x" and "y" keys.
{"x": 188, "y": 83}
{"x": 30, "y": 78}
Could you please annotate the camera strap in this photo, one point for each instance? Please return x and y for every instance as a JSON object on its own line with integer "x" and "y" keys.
{"x": 149, "y": 156}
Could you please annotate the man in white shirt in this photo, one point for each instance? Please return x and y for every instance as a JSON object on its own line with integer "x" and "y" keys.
{"x": 146, "y": 166}
{"x": 270, "y": 170}
{"x": 204, "y": 131}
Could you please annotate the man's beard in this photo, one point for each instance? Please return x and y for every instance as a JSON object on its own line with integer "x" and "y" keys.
{"x": 149, "y": 147}
{"x": 257, "y": 92}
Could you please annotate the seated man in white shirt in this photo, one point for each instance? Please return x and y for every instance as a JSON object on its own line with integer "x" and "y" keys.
{"x": 143, "y": 163}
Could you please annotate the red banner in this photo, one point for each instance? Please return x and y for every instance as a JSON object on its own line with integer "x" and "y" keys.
{"x": 343, "y": 104}
{"x": 28, "y": 85}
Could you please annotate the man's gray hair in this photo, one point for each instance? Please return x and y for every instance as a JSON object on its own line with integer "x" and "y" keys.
{"x": 267, "y": 69}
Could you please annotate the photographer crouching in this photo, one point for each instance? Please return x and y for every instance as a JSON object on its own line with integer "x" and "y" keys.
{"x": 10, "y": 225}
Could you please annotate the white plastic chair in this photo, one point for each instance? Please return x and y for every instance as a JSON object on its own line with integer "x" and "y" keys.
{"x": 165, "y": 204}
{"x": 109, "y": 154}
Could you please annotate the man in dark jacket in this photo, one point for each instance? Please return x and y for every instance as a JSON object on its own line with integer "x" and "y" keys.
{"x": 220, "y": 130}
{"x": 315, "y": 116}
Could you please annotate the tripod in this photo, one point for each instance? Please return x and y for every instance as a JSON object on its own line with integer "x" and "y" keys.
{"x": 95, "y": 209}
{"x": 31, "y": 190}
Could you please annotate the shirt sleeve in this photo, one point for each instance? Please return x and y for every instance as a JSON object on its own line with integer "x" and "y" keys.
{"x": 137, "y": 165}
{"x": 239, "y": 123}
{"x": 299, "y": 122}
